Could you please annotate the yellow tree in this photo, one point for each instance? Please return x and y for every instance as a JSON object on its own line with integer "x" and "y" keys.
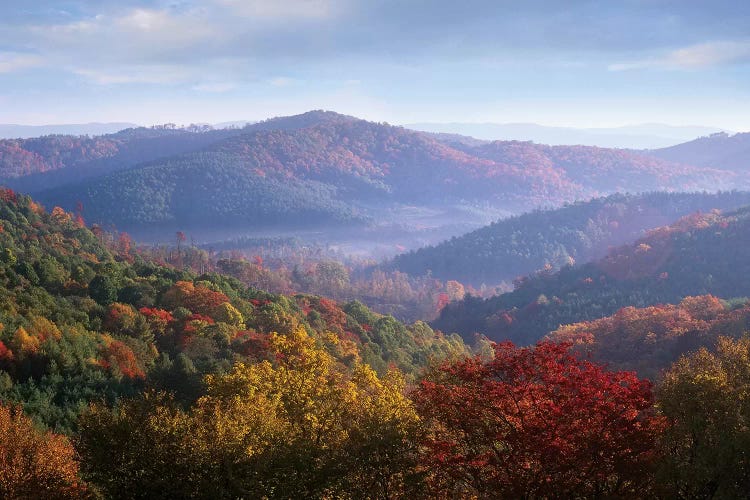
{"x": 299, "y": 426}
{"x": 706, "y": 398}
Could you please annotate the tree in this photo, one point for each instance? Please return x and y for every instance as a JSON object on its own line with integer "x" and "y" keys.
{"x": 102, "y": 289}
{"x": 537, "y": 422}
{"x": 705, "y": 399}
{"x": 35, "y": 464}
{"x": 299, "y": 426}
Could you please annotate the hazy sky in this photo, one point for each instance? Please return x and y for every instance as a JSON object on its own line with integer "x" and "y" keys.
{"x": 556, "y": 62}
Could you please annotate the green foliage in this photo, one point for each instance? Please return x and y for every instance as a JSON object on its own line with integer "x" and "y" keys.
{"x": 103, "y": 290}
{"x": 705, "y": 399}
{"x": 84, "y": 320}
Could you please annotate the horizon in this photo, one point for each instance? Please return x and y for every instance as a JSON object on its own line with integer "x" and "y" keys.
{"x": 578, "y": 65}
{"x": 477, "y": 122}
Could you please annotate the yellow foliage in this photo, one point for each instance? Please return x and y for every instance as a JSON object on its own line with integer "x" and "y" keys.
{"x": 306, "y": 395}
{"x": 301, "y": 425}
{"x": 227, "y": 313}
{"x": 42, "y": 328}
{"x": 25, "y": 343}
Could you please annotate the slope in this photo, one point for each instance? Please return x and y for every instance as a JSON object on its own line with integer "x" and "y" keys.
{"x": 579, "y": 232}
{"x": 366, "y": 169}
{"x": 83, "y": 318}
{"x": 721, "y": 150}
{"x": 698, "y": 255}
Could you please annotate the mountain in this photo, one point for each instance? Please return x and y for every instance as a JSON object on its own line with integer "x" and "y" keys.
{"x": 720, "y": 150}
{"x": 9, "y": 131}
{"x": 579, "y": 232}
{"x": 698, "y": 255}
{"x": 327, "y": 164}
{"x": 35, "y": 164}
{"x": 644, "y": 136}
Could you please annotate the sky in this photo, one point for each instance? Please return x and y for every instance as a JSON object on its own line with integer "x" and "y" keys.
{"x": 555, "y": 62}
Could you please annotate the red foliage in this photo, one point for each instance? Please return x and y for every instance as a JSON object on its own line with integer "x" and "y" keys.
{"x": 8, "y": 195}
{"x": 252, "y": 344}
{"x": 538, "y": 422}
{"x": 159, "y": 319}
{"x": 118, "y": 355}
{"x": 442, "y": 301}
{"x": 334, "y": 317}
{"x": 197, "y": 299}
{"x": 5, "y": 353}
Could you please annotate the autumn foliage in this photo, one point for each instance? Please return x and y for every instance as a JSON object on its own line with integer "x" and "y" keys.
{"x": 537, "y": 422}
{"x": 35, "y": 464}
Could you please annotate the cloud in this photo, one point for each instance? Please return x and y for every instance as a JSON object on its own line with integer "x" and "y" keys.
{"x": 135, "y": 74}
{"x": 284, "y": 9}
{"x": 216, "y": 87}
{"x": 698, "y": 56}
{"x": 282, "y": 81}
{"x": 182, "y": 41}
{"x": 11, "y": 62}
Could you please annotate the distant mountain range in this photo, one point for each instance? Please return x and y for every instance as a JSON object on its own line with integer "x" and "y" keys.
{"x": 644, "y": 136}
{"x": 320, "y": 169}
{"x": 10, "y": 131}
{"x": 726, "y": 151}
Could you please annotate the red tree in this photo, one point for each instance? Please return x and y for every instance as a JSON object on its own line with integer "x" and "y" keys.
{"x": 538, "y": 422}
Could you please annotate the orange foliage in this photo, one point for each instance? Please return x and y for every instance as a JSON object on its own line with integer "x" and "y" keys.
{"x": 117, "y": 316}
{"x": 35, "y": 464}
{"x": 197, "y": 299}
{"x": 119, "y": 357}
{"x": 652, "y": 337}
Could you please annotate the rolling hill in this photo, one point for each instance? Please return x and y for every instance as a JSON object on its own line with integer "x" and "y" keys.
{"x": 720, "y": 150}
{"x": 579, "y": 232}
{"x": 698, "y": 255}
{"x": 13, "y": 131}
{"x": 327, "y": 163}
{"x": 647, "y": 135}
{"x": 86, "y": 318}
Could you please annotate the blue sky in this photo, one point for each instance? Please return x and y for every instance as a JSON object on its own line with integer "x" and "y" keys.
{"x": 555, "y": 62}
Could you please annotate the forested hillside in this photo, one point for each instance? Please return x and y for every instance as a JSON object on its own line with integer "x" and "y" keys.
{"x": 45, "y": 162}
{"x": 650, "y": 339}
{"x": 334, "y": 166}
{"x": 576, "y": 233}
{"x": 700, "y": 254}
{"x": 84, "y": 318}
{"x": 119, "y": 374}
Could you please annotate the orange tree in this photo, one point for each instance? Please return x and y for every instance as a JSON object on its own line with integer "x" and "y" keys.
{"x": 35, "y": 464}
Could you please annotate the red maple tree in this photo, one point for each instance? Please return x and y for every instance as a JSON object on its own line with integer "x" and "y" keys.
{"x": 537, "y": 422}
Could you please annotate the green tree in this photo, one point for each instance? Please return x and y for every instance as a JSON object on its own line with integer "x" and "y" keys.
{"x": 103, "y": 289}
